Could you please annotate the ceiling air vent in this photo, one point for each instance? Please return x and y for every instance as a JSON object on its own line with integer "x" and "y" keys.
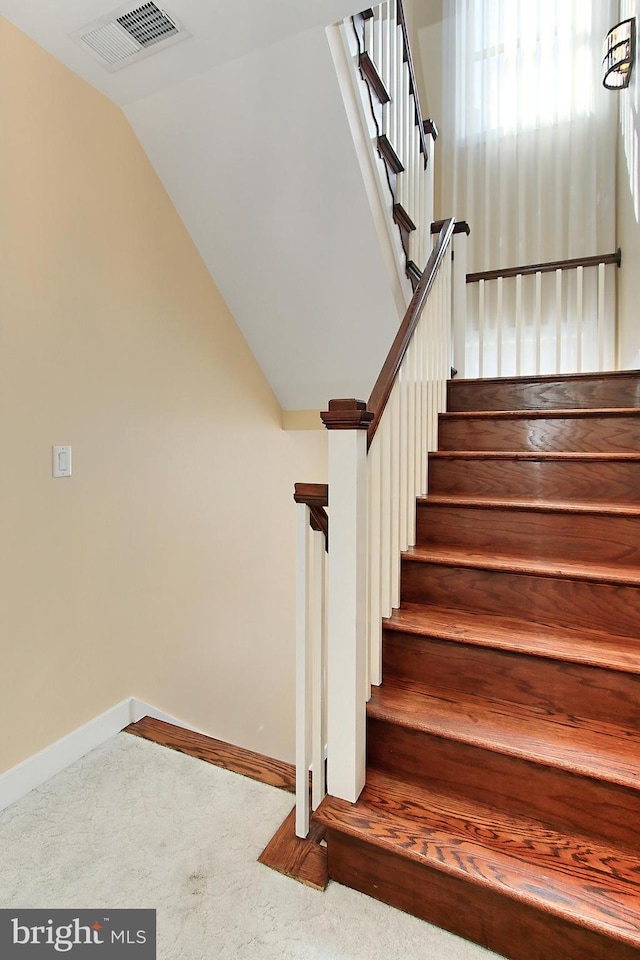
{"x": 130, "y": 34}
{"x": 148, "y": 24}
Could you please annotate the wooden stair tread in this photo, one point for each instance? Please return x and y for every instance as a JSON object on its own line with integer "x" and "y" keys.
{"x": 573, "y": 877}
{"x": 549, "y": 377}
{"x": 570, "y": 413}
{"x": 589, "y": 647}
{"x": 600, "y": 750}
{"x": 533, "y": 455}
{"x": 539, "y": 506}
{"x": 619, "y": 574}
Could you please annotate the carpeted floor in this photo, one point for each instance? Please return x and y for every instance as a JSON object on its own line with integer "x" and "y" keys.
{"x": 133, "y": 824}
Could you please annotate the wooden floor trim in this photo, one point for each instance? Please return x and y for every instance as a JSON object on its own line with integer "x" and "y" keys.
{"x": 304, "y": 860}
{"x": 275, "y": 773}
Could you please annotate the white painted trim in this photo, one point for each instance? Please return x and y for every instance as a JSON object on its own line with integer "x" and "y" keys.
{"x": 347, "y": 659}
{"x": 141, "y": 709}
{"x": 36, "y": 770}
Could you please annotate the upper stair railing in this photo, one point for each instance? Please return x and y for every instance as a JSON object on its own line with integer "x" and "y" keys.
{"x": 557, "y": 317}
{"x": 377, "y": 466}
{"x": 403, "y": 139}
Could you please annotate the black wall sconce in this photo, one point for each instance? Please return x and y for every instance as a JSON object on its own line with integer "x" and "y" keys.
{"x": 619, "y": 55}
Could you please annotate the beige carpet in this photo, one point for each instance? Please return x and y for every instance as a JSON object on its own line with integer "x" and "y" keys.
{"x": 133, "y": 824}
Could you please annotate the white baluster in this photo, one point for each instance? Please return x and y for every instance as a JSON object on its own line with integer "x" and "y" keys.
{"x": 403, "y": 453}
{"x": 432, "y": 432}
{"x": 406, "y": 138}
{"x": 368, "y": 36}
{"x": 579, "y": 316}
{"x": 394, "y": 413}
{"x": 412, "y": 443}
{"x": 395, "y": 85}
{"x": 386, "y": 514}
{"x": 447, "y": 325}
{"x": 601, "y": 317}
{"x": 375, "y": 544}
{"x": 424, "y": 351}
{"x": 318, "y": 644}
{"x": 559, "y": 279}
{"x": 481, "y": 329}
{"x": 518, "y": 323}
{"x": 376, "y": 37}
{"x": 303, "y": 668}
{"x": 422, "y": 187}
{"x": 413, "y": 198}
{"x": 421, "y": 453}
{"x": 538, "y": 316}
{"x": 499, "y": 328}
{"x": 386, "y": 63}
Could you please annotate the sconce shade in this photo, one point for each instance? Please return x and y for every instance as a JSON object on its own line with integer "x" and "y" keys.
{"x": 619, "y": 55}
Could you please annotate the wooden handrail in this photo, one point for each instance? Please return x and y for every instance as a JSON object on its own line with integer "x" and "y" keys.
{"x": 384, "y": 384}
{"x": 414, "y": 85}
{"x": 316, "y": 497}
{"x": 546, "y": 267}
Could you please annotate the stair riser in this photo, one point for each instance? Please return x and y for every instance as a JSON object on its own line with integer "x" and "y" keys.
{"x": 552, "y": 685}
{"x": 612, "y": 608}
{"x": 562, "y": 799}
{"x": 614, "y": 482}
{"x": 531, "y": 534}
{"x": 563, "y": 393}
{"x": 465, "y": 907}
{"x": 615, "y": 434}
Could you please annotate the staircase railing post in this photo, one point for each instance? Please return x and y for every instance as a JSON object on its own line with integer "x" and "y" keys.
{"x": 347, "y": 421}
{"x": 459, "y": 301}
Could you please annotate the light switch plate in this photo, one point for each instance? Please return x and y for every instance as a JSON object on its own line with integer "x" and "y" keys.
{"x": 62, "y": 461}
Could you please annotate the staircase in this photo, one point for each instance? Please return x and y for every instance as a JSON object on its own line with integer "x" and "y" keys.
{"x": 503, "y": 770}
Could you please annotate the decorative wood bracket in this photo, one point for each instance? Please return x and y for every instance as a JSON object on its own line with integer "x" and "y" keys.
{"x": 370, "y": 72}
{"x": 414, "y": 273}
{"x": 461, "y": 226}
{"x": 316, "y": 497}
{"x": 430, "y": 128}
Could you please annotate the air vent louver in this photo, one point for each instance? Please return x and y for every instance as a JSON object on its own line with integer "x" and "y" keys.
{"x": 110, "y": 43}
{"x": 129, "y": 34}
{"x": 148, "y": 24}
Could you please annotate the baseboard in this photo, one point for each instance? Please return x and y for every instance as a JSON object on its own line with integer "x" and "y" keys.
{"x": 39, "y": 768}
{"x": 140, "y": 709}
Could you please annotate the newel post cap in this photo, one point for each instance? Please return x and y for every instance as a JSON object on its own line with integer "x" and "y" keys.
{"x": 347, "y": 415}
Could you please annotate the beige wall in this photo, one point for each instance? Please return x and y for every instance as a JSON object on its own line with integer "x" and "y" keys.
{"x": 164, "y": 568}
{"x": 628, "y": 212}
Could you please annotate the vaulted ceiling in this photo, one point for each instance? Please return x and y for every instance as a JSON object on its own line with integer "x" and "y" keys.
{"x": 244, "y": 123}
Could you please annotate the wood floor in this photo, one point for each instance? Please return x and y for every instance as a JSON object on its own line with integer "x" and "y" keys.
{"x": 503, "y": 777}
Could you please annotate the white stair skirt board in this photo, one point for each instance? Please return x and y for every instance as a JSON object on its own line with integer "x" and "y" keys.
{"x": 39, "y": 768}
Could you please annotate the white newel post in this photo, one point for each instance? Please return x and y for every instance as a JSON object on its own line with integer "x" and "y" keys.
{"x": 347, "y": 421}
{"x": 459, "y": 300}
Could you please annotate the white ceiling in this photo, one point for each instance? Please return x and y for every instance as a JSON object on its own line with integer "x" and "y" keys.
{"x": 221, "y": 31}
{"x": 245, "y": 125}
